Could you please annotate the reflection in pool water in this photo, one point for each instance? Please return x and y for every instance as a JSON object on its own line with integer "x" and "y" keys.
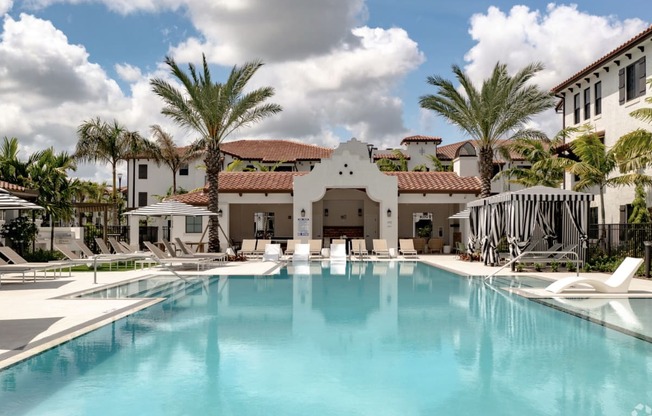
{"x": 376, "y": 338}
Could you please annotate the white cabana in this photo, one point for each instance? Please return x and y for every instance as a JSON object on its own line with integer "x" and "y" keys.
{"x": 522, "y": 211}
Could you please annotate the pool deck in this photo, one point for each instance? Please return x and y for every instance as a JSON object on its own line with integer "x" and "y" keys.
{"x": 35, "y": 316}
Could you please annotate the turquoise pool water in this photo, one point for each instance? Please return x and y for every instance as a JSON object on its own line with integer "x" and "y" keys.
{"x": 368, "y": 339}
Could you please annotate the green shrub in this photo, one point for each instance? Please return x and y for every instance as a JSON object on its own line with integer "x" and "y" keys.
{"x": 570, "y": 266}
{"x": 41, "y": 255}
{"x": 554, "y": 266}
{"x": 538, "y": 267}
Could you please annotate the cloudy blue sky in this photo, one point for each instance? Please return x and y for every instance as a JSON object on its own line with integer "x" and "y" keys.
{"x": 341, "y": 68}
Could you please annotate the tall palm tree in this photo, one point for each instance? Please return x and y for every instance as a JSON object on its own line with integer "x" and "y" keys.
{"x": 168, "y": 153}
{"x": 214, "y": 110}
{"x": 100, "y": 141}
{"x": 498, "y": 110}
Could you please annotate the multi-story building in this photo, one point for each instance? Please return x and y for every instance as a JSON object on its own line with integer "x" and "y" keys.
{"x": 603, "y": 95}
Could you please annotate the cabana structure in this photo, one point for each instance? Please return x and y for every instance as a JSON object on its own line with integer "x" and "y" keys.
{"x": 539, "y": 212}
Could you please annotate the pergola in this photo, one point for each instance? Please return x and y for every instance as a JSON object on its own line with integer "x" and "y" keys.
{"x": 516, "y": 214}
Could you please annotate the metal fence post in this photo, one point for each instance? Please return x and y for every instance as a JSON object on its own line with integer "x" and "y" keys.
{"x": 648, "y": 257}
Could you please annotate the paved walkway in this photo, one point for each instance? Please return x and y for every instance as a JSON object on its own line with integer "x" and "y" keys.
{"x": 35, "y": 316}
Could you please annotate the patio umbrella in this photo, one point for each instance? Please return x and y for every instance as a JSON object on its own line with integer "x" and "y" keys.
{"x": 173, "y": 208}
{"x": 9, "y": 202}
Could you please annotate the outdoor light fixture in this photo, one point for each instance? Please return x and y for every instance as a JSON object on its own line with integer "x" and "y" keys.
{"x": 359, "y": 212}
{"x": 219, "y": 212}
{"x": 325, "y": 212}
{"x": 389, "y": 212}
{"x": 303, "y": 212}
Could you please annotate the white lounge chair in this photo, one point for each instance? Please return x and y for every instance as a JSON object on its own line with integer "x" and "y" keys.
{"x": 248, "y": 247}
{"x": 406, "y": 247}
{"x": 618, "y": 282}
{"x": 104, "y": 249}
{"x": 290, "y": 247}
{"x": 272, "y": 252}
{"x": 315, "y": 247}
{"x": 359, "y": 248}
{"x": 165, "y": 259}
{"x": 187, "y": 252}
{"x": 301, "y": 252}
{"x": 338, "y": 252}
{"x": 380, "y": 248}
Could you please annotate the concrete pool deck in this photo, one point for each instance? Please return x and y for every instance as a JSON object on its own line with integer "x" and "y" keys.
{"x": 35, "y": 316}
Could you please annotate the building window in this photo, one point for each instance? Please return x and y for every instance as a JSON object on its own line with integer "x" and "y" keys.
{"x": 183, "y": 170}
{"x": 193, "y": 225}
{"x": 142, "y": 199}
{"x": 142, "y": 171}
{"x": 587, "y": 103}
{"x": 598, "y": 98}
{"x": 631, "y": 81}
{"x": 576, "y": 108}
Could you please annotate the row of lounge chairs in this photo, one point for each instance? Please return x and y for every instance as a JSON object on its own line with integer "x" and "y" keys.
{"x": 252, "y": 248}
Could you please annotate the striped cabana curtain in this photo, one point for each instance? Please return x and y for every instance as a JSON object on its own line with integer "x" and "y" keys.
{"x": 521, "y": 224}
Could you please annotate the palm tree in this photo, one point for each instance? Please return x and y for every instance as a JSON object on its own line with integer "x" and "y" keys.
{"x": 49, "y": 174}
{"x": 100, "y": 141}
{"x": 499, "y": 110}
{"x": 12, "y": 169}
{"x": 644, "y": 114}
{"x": 596, "y": 164}
{"x": 214, "y": 110}
{"x": 540, "y": 152}
{"x": 388, "y": 165}
{"x": 170, "y": 154}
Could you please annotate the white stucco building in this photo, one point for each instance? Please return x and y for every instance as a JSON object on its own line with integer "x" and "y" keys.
{"x": 603, "y": 95}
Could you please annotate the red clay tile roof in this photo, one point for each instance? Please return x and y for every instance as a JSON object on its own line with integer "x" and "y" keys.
{"x": 10, "y": 186}
{"x": 641, "y": 37}
{"x": 436, "y": 182}
{"x": 281, "y": 182}
{"x": 389, "y": 154}
{"x": 18, "y": 190}
{"x": 449, "y": 151}
{"x": 417, "y": 139}
{"x": 275, "y": 150}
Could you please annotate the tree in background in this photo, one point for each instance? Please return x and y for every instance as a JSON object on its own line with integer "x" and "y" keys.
{"x": 213, "y": 110}
{"x": 500, "y": 109}
{"x": 110, "y": 143}
{"x": 168, "y": 153}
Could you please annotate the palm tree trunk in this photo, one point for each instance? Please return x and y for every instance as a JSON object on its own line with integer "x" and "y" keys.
{"x": 486, "y": 162}
{"x": 212, "y": 172}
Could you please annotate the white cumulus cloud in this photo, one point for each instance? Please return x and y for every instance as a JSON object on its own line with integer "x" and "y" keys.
{"x": 561, "y": 37}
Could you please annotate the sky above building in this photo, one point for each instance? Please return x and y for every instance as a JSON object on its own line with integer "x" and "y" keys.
{"x": 340, "y": 68}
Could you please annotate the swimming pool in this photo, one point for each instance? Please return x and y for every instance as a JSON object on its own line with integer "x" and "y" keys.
{"x": 374, "y": 338}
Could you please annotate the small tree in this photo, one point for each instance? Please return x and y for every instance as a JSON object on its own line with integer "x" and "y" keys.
{"x": 640, "y": 213}
{"x": 19, "y": 233}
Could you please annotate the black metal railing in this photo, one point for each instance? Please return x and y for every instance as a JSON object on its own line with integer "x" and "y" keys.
{"x": 619, "y": 239}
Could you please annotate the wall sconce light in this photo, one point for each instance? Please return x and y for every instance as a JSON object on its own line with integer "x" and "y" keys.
{"x": 303, "y": 212}
{"x": 219, "y": 212}
{"x": 389, "y": 212}
{"x": 359, "y": 212}
{"x": 325, "y": 212}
